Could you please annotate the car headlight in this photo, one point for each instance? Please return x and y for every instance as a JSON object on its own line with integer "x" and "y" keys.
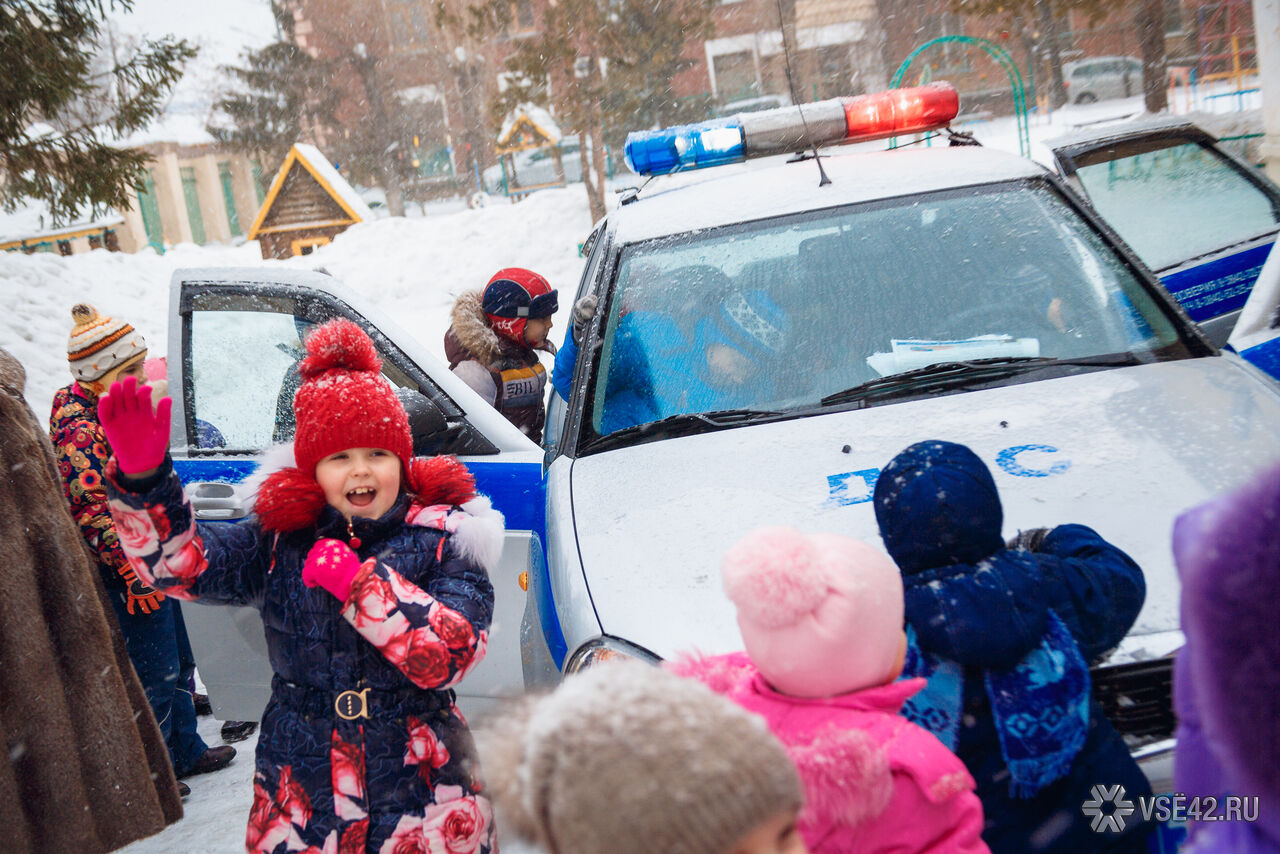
{"x": 605, "y": 648}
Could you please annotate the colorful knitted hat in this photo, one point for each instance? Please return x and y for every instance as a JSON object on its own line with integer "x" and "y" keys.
{"x": 100, "y": 344}
{"x": 344, "y": 401}
{"x": 820, "y": 614}
{"x": 513, "y": 296}
{"x": 625, "y": 758}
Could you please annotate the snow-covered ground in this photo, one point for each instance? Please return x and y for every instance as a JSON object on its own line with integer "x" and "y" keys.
{"x": 412, "y": 267}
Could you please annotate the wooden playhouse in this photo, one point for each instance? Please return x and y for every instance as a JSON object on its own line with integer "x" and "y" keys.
{"x": 308, "y": 204}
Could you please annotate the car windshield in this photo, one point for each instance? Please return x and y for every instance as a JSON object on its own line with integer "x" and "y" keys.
{"x": 777, "y": 315}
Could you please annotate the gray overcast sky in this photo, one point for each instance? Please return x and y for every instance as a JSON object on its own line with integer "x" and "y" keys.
{"x": 222, "y": 28}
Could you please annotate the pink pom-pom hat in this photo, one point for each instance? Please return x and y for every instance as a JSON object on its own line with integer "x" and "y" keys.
{"x": 821, "y": 614}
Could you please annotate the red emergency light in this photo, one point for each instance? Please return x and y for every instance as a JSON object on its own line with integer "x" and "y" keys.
{"x": 759, "y": 134}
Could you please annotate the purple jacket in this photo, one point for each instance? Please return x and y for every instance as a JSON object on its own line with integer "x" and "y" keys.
{"x": 1227, "y": 678}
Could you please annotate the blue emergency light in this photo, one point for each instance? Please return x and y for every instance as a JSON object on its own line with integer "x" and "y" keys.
{"x": 712, "y": 143}
{"x": 737, "y": 138}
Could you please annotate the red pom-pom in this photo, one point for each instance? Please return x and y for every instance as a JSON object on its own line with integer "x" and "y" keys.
{"x": 440, "y": 480}
{"x": 339, "y": 344}
{"x": 288, "y": 500}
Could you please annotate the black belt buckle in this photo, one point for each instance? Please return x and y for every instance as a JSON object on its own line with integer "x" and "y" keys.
{"x": 352, "y": 704}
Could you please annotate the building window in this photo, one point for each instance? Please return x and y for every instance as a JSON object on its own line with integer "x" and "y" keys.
{"x": 409, "y": 24}
{"x": 229, "y": 197}
{"x": 150, "y": 210}
{"x": 1173, "y": 20}
{"x": 307, "y": 245}
{"x": 736, "y": 76}
{"x": 523, "y": 16}
{"x": 192, "y": 196}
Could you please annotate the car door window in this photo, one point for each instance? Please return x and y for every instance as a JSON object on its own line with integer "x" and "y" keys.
{"x": 241, "y": 369}
{"x": 1175, "y": 201}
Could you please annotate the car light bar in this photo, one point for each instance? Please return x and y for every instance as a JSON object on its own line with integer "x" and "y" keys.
{"x": 746, "y": 135}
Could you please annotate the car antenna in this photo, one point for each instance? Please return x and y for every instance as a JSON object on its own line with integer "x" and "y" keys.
{"x": 823, "y": 180}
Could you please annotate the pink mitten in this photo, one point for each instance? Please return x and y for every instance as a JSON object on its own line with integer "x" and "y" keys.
{"x": 331, "y": 564}
{"x": 139, "y": 435}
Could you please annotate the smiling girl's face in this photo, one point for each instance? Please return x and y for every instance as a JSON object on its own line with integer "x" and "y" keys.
{"x": 360, "y": 481}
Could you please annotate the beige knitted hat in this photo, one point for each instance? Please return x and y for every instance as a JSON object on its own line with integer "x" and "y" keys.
{"x": 98, "y": 344}
{"x": 625, "y": 758}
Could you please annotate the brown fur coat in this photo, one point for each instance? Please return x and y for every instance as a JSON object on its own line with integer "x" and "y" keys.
{"x": 87, "y": 768}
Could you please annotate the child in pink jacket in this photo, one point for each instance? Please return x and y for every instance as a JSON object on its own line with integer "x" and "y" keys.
{"x": 822, "y": 620}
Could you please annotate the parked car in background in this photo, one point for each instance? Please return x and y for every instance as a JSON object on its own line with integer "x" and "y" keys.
{"x": 1199, "y": 216}
{"x": 537, "y": 168}
{"x": 751, "y": 105}
{"x": 1097, "y": 78}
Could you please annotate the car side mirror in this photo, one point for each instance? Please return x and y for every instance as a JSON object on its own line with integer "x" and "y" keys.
{"x": 427, "y": 423}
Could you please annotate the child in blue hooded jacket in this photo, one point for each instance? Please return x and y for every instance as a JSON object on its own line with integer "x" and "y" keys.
{"x": 1005, "y": 637}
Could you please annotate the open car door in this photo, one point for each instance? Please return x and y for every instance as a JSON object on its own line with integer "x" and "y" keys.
{"x": 1200, "y": 217}
{"x": 1257, "y": 333}
{"x": 235, "y": 338}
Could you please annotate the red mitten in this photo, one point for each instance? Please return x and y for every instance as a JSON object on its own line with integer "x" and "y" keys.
{"x": 139, "y": 435}
{"x": 331, "y": 564}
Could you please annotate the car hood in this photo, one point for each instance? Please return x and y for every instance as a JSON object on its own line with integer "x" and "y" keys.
{"x": 1123, "y": 451}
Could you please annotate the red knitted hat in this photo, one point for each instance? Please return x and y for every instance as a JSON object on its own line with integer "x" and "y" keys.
{"x": 344, "y": 402}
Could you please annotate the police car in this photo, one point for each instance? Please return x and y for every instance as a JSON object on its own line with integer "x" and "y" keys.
{"x": 769, "y": 333}
{"x": 866, "y": 301}
{"x": 1199, "y": 216}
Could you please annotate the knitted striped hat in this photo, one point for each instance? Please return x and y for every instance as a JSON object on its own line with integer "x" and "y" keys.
{"x": 99, "y": 344}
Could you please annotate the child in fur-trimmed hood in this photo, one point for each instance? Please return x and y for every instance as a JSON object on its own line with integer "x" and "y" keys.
{"x": 821, "y": 619}
{"x": 493, "y": 341}
{"x": 370, "y": 570}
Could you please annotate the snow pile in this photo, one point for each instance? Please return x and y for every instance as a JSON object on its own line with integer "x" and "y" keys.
{"x": 412, "y": 267}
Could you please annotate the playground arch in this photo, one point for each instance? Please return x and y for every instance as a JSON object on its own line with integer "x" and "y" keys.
{"x": 1003, "y": 59}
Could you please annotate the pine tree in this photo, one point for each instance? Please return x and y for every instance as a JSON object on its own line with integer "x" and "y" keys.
{"x": 49, "y": 151}
{"x": 279, "y": 95}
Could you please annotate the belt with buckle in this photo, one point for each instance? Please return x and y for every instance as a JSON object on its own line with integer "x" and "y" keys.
{"x": 352, "y": 704}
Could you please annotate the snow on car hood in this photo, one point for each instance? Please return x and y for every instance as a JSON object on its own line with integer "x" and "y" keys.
{"x": 1123, "y": 451}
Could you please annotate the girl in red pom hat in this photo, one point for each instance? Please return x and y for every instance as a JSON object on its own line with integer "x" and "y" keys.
{"x": 370, "y": 570}
{"x": 493, "y": 340}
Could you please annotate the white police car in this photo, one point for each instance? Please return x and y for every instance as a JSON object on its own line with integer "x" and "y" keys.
{"x": 769, "y": 336}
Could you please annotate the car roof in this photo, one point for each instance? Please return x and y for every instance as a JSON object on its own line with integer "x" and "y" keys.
{"x": 777, "y": 186}
{"x": 1127, "y": 130}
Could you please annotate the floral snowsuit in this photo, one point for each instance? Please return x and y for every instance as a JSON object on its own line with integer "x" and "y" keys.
{"x": 362, "y": 748}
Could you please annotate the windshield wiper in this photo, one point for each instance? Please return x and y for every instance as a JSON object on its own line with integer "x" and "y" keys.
{"x": 686, "y": 424}
{"x": 941, "y": 375}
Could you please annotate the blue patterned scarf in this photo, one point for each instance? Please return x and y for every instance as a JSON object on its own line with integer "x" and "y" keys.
{"x": 1040, "y": 706}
